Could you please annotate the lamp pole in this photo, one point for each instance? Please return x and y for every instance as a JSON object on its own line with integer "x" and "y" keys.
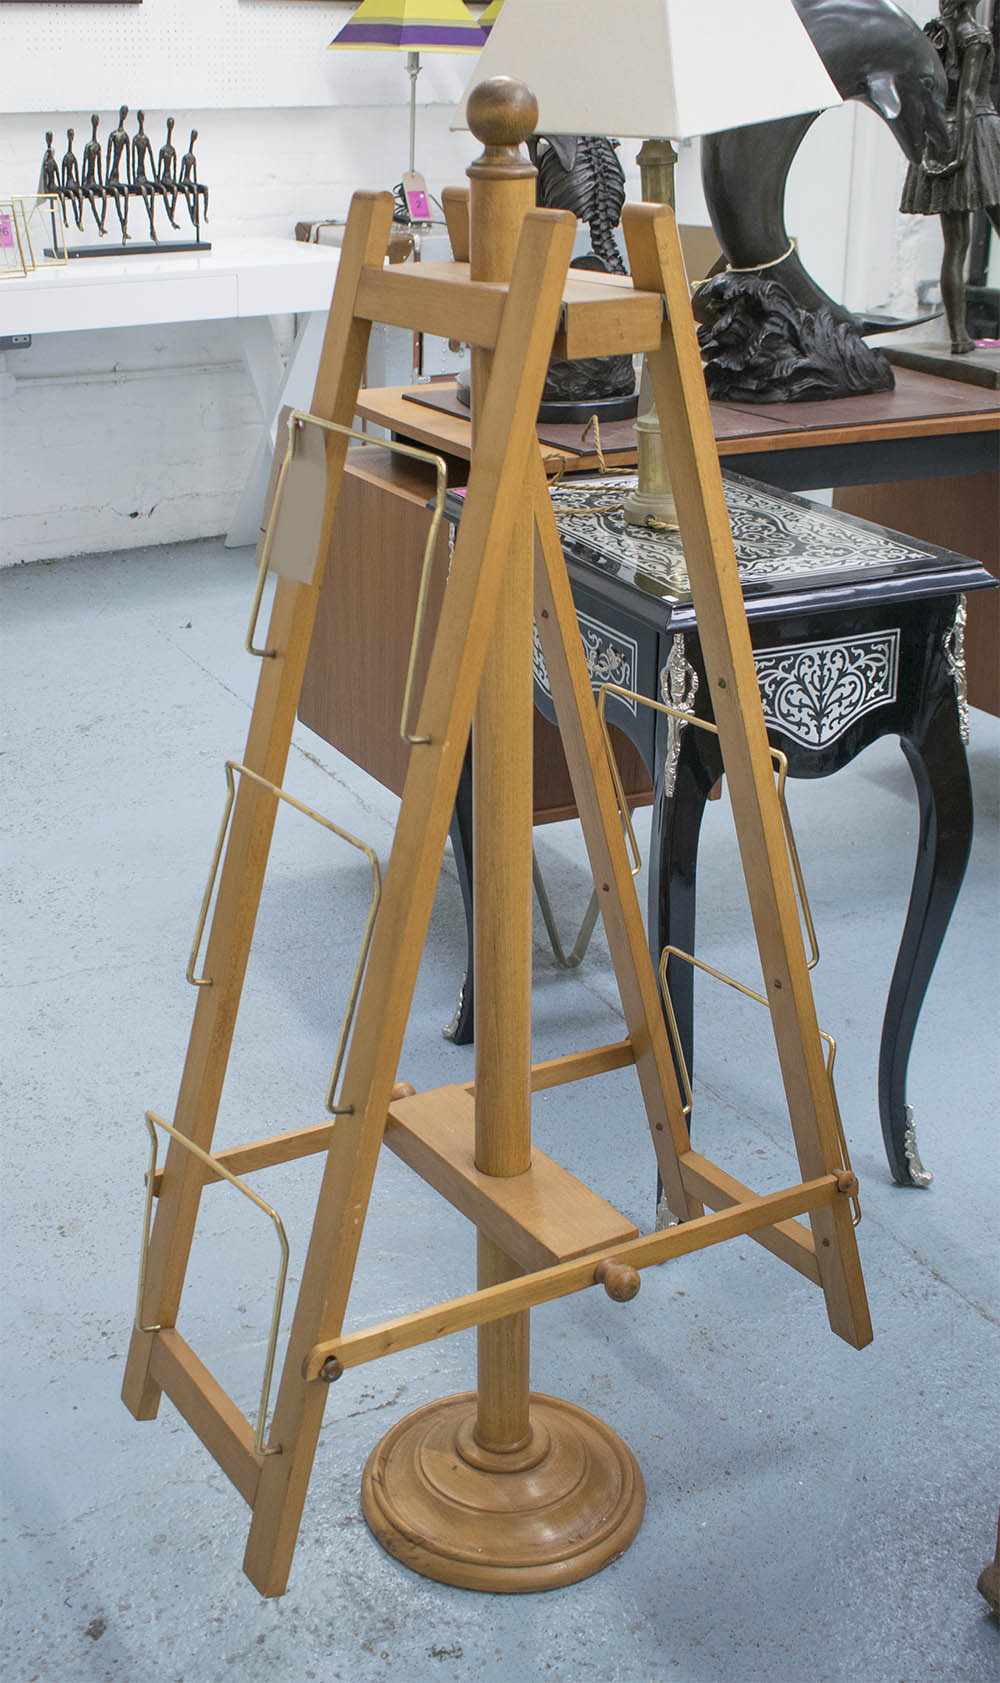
{"x": 413, "y": 71}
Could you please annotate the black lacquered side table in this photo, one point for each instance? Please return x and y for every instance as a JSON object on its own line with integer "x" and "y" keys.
{"x": 857, "y": 634}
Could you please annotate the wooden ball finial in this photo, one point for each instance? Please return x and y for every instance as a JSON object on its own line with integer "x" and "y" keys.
{"x": 502, "y": 112}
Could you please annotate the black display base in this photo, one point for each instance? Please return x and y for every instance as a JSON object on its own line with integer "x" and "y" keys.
{"x": 982, "y": 311}
{"x": 929, "y": 356}
{"x": 567, "y": 412}
{"x": 134, "y": 248}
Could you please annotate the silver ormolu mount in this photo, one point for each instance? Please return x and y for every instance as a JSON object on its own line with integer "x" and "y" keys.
{"x": 919, "y": 1176}
{"x": 954, "y": 653}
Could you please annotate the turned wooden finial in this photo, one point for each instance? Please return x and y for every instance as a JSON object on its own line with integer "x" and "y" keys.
{"x": 620, "y": 1281}
{"x": 502, "y": 113}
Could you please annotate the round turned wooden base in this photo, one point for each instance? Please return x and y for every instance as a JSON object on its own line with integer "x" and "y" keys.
{"x": 548, "y": 1513}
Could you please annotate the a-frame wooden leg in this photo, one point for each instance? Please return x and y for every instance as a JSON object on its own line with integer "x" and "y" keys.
{"x": 242, "y": 875}
{"x": 495, "y": 490}
{"x": 682, "y": 404}
{"x": 593, "y": 791}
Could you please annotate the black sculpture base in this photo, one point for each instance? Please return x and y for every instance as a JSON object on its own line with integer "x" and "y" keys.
{"x": 980, "y": 367}
{"x": 134, "y": 248}
{"x": 566, "y": 410}
{"x": 982, "y": 311}
{"x": 569, "y": 410}
{"x": 760, "y": 346}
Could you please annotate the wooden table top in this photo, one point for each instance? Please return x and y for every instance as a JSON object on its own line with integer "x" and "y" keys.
{"x": 922, "y": 405}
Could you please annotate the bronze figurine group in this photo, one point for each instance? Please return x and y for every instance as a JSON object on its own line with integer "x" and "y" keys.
{"x": 122, "y": 171}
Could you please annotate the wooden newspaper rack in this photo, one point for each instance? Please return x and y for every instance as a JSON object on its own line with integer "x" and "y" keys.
{"x": 498, "y": 1489}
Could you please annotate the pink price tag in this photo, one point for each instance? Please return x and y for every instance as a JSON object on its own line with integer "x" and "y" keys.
{"x": 6, "y": 228}
{"x": 418, "y": 205}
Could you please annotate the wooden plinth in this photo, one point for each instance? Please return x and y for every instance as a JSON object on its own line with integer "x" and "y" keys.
{"x": 553, "y": 1511}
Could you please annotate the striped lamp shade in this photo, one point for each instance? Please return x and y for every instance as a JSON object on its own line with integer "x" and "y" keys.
{"x": 425, "y": 26}
{"x": 488, "y": 18}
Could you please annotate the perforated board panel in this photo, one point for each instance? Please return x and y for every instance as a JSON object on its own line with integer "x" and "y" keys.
{"x": 194, "y": 54}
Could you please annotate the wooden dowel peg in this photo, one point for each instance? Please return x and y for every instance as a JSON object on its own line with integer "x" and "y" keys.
{"x": 619, "y": 1280}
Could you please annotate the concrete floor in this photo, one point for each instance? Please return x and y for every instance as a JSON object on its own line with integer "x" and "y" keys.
{"x": 814, "y": 1513}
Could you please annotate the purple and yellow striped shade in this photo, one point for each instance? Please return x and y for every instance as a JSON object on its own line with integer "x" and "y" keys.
{"x": 488, "y": 18}
{"x": 425, "y": 26}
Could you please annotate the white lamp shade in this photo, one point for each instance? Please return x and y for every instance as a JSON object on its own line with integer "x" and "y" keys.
{"x": 641, "y": 68}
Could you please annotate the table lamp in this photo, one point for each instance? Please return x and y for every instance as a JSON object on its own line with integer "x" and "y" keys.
{"x": 654, "y": 69}
{"x": 488, "y": 18}
{"x": 411, "y": 27}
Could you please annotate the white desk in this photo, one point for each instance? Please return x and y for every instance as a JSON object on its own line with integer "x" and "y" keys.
{"x": 241, "y": 280}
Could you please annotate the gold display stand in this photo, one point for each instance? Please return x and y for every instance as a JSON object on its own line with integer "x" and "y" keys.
{"x": 500, "y": 1490}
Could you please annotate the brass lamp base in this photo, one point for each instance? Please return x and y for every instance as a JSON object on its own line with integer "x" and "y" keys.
{"x": 551, "y": 1512}
{"x": 652, "y": 501}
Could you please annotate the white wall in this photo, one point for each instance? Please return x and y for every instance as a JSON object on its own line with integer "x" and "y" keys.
{"x": 109, "y": 440}
{"x": 205, "y": 53}
{"x": 114, "y": 439}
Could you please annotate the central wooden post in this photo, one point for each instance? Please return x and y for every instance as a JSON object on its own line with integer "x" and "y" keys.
{"x": 502, "y": 192}
{"x": 503, "y": 1490}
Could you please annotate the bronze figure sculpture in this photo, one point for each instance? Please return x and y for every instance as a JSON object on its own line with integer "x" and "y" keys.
{"x": 48, "y": 180}
{"x": 92, "y": 183}
{"x": 166, "y": 173}
{"x": 69, "y": 180}
{"x": 189, "y": 186}
{"x": 963, "y": 175}
{"x": 143, "y": 183}
{"x": 582, "y": 173}
{"x": 117, "y": 189}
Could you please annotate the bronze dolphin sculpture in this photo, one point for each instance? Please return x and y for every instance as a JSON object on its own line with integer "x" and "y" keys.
{"x": 872, "y": 52}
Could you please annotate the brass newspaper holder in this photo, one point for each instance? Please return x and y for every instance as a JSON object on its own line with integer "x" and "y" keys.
{"x": 498, "y": 1489}
{"x": 217, "y": 1170}
{"x": 232, "y": 767}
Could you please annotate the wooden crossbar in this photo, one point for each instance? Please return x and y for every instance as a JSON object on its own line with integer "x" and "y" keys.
{"x": 789, "y": 1240}
{"x": 705, "y": 1180}
{"x": 541, "y": 1216}
{"x": 439, "y": 296}
{"x": 580, "y": 1066}
{"x": 207, "y": 1408}
{"x": 594, "y": 320}
{"x": 306, "y": 1142}
{"x": 495, "y": 1302}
